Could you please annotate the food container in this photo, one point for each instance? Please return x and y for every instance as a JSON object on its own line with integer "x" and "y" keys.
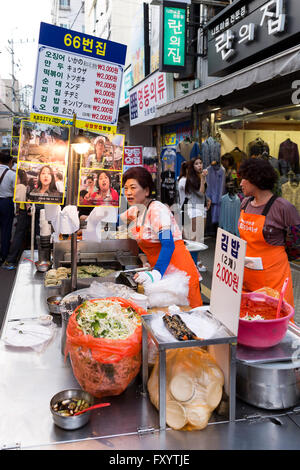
{"x": 264, "y": 333}
{"x": 139, "y": 299}
{"x": 71, "y": 422}
{"x": 53, "y": 303}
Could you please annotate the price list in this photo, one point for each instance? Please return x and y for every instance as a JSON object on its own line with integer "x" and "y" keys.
{"x": 67, "y": 84}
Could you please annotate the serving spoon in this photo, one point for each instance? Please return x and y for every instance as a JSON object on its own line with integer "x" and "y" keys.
{"x": 281, "y": 297}
{"x": 99, "y": 405}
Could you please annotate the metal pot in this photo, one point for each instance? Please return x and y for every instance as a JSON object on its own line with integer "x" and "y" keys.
{"x": 43, "y": 266}
{"x": 271, "y": 386}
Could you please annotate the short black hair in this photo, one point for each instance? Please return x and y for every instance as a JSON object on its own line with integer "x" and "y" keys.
{"x": 142, "y": 176}
{"x": 5, "y": 157}
{"x": 259, "y": 172}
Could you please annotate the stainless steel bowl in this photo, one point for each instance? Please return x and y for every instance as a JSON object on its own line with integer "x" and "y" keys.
{"x": 53, "y": 307}
{"x": 43, "y": 266}
{"x": 71, "y": 422}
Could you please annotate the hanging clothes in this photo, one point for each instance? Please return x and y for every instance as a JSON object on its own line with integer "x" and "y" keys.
{"x": 238, "y": 156}
{"x": 257, "y": 147}
{"x": 215, "y": 189}
{"x": 211, "y": 151}
{"x": 289, "y": 152}
{"x": 168, "y": 158}
{"x": 230, "y": 213}
{"x": 185, "y": 151}
{"x": 291, "y": 192}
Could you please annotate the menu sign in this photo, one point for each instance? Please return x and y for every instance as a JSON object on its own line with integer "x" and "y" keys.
{"x": 78, "y": 74}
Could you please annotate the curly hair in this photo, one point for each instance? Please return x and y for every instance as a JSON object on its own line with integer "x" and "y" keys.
{"x": 259, "y": 172}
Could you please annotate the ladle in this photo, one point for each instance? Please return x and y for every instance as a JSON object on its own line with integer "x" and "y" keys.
{"x": 100, "y": 405}
{"x": 281, "y": 297}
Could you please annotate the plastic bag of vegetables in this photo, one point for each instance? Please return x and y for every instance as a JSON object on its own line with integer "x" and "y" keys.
{"x": 104, "y": 340}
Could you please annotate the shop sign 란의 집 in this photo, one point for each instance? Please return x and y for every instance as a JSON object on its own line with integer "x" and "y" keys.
{"x": 248, "y": 32}
{"x": 172, "y": 37}
{"x": 78, "y": 74}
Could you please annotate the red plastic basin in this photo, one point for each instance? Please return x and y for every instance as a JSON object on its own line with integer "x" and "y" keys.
{"x": 264, "y": 333}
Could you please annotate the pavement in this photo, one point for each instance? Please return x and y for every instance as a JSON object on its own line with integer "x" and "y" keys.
{"x": 207, "y": 258}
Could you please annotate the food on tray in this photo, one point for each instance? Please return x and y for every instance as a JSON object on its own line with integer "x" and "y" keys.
{"x": 178, "y": 328}
{"x": 107, "y": 319}
{"x": 70, "y": 406}
{"x": 54, "y": 276}
{"x": 268, "y": 291}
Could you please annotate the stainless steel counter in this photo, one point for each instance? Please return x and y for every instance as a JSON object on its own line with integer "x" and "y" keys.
{"x": 29, "y": 379}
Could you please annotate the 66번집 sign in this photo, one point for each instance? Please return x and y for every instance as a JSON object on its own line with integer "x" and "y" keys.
{"x": 78, "y": 74}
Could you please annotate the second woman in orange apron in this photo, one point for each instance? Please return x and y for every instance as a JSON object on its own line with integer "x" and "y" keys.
{"x": 258, "y": 177}
{"x": 154, "y": 228}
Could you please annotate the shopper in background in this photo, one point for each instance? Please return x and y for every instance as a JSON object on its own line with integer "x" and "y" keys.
{"x": 263, "y": 223}
{"x": 182, "y": 199}
{"x": 195, "y": 188}
{"x": 7, "y": 184}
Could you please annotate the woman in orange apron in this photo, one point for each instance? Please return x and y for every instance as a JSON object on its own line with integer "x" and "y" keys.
{"x": 154, "y": 228}
{"x": 258, "y": 178}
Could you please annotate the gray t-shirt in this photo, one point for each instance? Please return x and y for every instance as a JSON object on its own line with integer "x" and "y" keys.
{"x": 281, "y": 215}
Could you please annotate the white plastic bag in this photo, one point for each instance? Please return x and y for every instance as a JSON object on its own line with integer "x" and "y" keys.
{"x": 173, "y": 288}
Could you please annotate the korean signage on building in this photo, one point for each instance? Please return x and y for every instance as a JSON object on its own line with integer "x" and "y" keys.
{"x": 227, "y": 279}
{"x": 133, "y": 156}
{"x": 146, "y": 96}
{"x": 173, "y": 37}
{"x": 249, "y": 31}
{"x": 78, "y": 74}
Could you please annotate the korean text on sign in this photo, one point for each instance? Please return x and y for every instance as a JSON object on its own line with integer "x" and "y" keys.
{"x": 272, "y": 17}
{"x": 226, "y": 271}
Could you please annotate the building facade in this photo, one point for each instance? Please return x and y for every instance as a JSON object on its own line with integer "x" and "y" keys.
{"x": 69, "y": 14}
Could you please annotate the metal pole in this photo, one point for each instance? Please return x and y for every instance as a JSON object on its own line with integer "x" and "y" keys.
{"x": 32, "y": 230}
{"x": 72, "y": 194}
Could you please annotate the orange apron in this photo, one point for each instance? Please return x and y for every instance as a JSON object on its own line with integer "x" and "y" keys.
{"x": 276, "y": 267}
{"x": 181, "y": 259}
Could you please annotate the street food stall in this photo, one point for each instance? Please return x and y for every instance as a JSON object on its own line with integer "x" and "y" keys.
{"x": 34, "y": 369}
{"x": 79, "y": 331}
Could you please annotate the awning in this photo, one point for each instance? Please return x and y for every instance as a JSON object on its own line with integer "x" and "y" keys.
{"x": 279, "y": 65}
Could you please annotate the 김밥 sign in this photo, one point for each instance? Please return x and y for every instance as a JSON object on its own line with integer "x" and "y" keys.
{"x": 173, "y": 37}
{"x": 146, "y": 96}
{"x": 246, "y": 32}
{"x": 78, "y": 74}
{"x": 227, "y": 279}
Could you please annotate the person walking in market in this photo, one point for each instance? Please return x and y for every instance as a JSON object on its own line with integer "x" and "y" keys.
{"x": 263, "y": 223}
{"x": 153, "y": 226}
{"x": 7, "y": 210}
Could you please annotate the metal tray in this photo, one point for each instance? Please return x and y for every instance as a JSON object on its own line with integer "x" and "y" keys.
{"x": 286, "y": 350}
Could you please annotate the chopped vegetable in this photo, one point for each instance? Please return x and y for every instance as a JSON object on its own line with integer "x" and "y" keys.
{"x": 107, "y": 319}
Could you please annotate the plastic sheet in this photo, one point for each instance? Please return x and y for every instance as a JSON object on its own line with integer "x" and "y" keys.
{"x": 194, "y": 386}
{"x": 173, "y": 288}
{"x": 102, "y": 366}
